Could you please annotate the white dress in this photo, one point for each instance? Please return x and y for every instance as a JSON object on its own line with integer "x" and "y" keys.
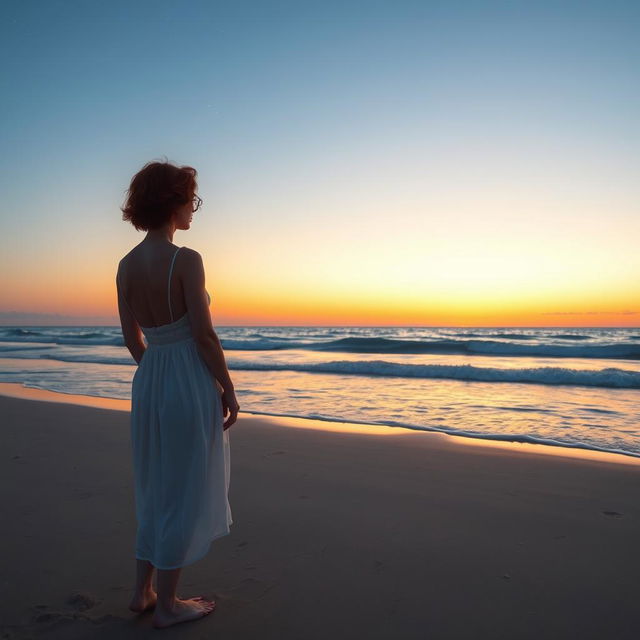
{"x": 181, "y": 457}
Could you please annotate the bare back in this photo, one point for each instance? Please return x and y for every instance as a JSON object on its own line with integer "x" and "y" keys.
{"x": 144, "y": 279}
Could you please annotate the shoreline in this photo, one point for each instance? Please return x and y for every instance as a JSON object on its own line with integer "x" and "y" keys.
{"x": 17, "y": 390}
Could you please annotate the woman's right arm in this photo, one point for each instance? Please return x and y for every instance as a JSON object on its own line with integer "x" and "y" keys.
{"x": 206, "y": 339}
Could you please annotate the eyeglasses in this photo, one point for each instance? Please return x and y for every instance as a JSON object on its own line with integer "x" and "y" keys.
{"x": 197, "y": 202}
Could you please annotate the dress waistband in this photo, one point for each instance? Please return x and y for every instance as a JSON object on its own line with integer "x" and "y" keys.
{"x": 177, "y": 331}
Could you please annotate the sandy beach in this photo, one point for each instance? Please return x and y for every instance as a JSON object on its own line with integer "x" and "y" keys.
{"x": 340, "y": 531}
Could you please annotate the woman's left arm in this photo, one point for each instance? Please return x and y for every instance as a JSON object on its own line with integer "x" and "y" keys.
{"x": 131, "y": 331}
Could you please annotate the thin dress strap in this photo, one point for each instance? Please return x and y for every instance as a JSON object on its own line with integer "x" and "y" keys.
{"x": 169, "y": 287}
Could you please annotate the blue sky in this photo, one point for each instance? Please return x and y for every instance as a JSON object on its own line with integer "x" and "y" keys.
{"x": 332, "y": 125}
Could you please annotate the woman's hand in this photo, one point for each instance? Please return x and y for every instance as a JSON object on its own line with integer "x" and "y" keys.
{"x": 231, "y": 407}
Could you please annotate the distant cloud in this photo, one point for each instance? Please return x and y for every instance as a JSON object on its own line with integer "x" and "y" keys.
{"x": 591, "y": 313}
{"x": 26, "y": 318}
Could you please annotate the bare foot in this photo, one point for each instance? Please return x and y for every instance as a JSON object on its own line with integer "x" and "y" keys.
{"x": 182, "y": 611}
{"x": 143, "y": 601}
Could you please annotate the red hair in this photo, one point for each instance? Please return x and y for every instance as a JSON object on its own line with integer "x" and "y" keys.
{"x": 155, "y": 192}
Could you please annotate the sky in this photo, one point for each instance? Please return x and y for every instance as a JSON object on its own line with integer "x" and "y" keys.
{"x": 361, "y": 163}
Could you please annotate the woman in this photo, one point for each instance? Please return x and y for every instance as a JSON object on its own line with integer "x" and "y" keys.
{"x": 181, "y": 393}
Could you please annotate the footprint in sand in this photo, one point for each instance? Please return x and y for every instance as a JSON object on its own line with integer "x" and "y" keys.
{"x": 81, "y": 601}
{"x": 277, "y": 453}
{"x": 251, "y": 589}
{"x": 273, "y": 453}
{"x": 49, "y": 617}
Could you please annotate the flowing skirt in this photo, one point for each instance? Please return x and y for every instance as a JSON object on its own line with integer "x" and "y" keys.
{"x": 181, "y": 457}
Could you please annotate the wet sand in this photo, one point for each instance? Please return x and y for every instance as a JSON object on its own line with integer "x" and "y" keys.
{"x": 340, "y": 531}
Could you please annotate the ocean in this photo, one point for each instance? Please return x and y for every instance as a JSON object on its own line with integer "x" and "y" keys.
{"x": 568, "y": 387}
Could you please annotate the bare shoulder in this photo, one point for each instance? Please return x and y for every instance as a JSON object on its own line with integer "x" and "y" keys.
{"x": 191, "y": 270}
{"x": 191, "y": 259}
{"x": 126, "y": 259}
{"x": 192, "y": 254}
{"x": 122, "y": 264}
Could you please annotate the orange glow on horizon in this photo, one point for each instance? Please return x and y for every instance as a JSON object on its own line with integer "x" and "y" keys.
{"x": 234, "y": 308}
{"x": 267, "y": 299}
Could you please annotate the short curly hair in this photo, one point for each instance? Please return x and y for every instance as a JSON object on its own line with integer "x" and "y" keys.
{"x": 155, "y": 192}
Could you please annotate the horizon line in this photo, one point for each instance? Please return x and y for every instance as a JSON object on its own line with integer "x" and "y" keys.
{"x": 363, "y": 326}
